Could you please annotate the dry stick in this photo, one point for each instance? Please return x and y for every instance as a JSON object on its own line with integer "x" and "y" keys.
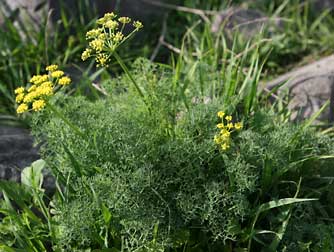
{"x": 175, "y": 49}
{"x": 201, "y": 13}
{"x": 171, "y": 47}
{"x": 161, "y": 39}
{"x": 100, "y": 89}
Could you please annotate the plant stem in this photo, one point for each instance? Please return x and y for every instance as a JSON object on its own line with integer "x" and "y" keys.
{"x": 65, "y": 120}
{"x": 126, "y": 70}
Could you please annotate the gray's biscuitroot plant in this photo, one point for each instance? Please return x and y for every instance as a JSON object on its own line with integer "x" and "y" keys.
{"x": 180, "y": 157}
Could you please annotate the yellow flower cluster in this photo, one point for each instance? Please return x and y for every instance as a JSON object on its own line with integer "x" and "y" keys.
{"x": 226, "y": 126}
{"x": 41, "y": 88}
{"x": 64, "y": 81}
{"x": 105, "y": 39}
{"x": 51, "y": 68}
{"x": 57, "y": 74}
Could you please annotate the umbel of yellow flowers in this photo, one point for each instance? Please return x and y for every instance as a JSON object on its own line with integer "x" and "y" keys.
{"x": 41, "y": 88}
{"x": 226, "y": 127}
{"x": 108, "y": 35}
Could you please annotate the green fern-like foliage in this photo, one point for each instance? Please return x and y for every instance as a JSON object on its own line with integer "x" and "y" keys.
{"x": 152, "y": 178}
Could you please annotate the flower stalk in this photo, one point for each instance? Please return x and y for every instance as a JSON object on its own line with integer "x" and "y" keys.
{"x": 106, "y": 38}
{"x": 128, "y": 73}
{"x": 75, "y": 128}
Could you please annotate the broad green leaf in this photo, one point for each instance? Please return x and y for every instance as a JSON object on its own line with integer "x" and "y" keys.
{"x": 106, "y": 214}
{"x": 32, "y": 176}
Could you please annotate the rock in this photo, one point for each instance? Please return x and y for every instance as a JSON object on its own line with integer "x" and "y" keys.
{"x": 27, "y": 5}
{"x": 17, "y": 152}
{"x": 25, "y": 15}
{"x": 310, "y": 87}
{"x": 25, "y": 9}
{"x": 322, "y": 5}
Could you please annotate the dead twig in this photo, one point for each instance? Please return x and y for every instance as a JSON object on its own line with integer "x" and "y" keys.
{"x": 175, "y": 49}
{"x": 161, "y": 39}
{"x": 100, "y": 89}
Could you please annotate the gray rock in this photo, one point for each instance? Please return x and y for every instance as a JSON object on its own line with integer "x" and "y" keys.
{"x": 310, "y": 87}
{"x": 24, "y": 4}
{"x": 17, "y": 152}
{"x": 322, "y": 5}
{"x": 25, "y": 9}
{"x": 25, "y": 15}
